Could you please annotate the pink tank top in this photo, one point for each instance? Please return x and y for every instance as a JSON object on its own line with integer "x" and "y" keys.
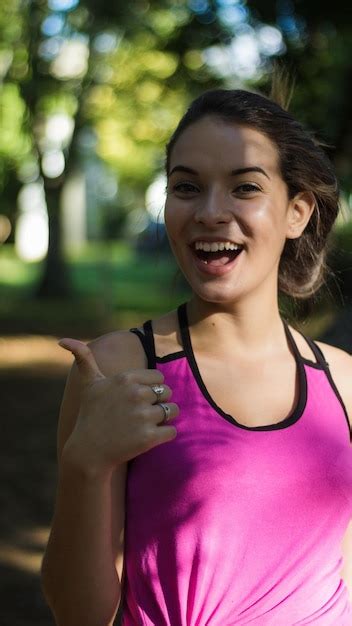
{"x": 229, "y": 524}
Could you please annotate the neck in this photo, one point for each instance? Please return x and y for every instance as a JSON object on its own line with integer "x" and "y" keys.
{"x": 253, "y": 328}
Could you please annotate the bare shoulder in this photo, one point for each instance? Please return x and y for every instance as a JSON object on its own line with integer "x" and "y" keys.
{"x": 340, "y": 364}
{"x": 114, "y": 352}
{"x": 336, "y": 357}
{"x": 117, "y": 351}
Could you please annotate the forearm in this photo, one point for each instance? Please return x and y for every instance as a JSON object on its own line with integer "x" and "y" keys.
{"x": 79, "y": 576}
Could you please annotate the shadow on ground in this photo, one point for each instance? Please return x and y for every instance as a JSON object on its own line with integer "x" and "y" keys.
{"x": 30, "y": 398}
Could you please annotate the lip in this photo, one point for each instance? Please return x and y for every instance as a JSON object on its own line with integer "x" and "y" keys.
{"x": 219, "y": 270}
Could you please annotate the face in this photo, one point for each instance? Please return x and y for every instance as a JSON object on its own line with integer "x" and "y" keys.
{"x": 225, "y": 190}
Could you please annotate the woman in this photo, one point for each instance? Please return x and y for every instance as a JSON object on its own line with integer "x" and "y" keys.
{"x": 227, "y": 505}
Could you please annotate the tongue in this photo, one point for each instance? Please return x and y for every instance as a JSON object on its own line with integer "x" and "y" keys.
{"x": 217, "y": 258}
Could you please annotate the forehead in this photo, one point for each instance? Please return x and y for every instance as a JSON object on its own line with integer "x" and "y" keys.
{"x": 212, "y": 141}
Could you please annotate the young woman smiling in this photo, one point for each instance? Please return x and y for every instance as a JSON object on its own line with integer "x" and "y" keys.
{"x": 234, "y": 511}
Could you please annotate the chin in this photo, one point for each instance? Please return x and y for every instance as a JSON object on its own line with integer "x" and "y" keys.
{"x": 217, "y": 295}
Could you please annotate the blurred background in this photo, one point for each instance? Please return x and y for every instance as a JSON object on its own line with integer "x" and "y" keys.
{"x": 90, "y": 91}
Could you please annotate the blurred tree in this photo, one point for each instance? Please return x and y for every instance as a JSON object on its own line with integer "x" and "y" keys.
{"x": 119, "y": 71}
{"x": 318, "y": 39}
{"x": 112, "y": 77}
{"x": 15, "y": 143}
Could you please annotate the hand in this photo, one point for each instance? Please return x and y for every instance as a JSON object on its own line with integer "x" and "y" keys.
{"x": 118, "y": 417}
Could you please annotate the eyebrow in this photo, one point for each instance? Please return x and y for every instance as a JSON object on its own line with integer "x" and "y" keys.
{"x": 241, "y": 170}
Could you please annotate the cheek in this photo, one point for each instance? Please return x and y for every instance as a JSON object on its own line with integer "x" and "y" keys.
{"x": 174, "y": 220}
{"x": 168, "y": 218}
{"x": 267, "y": 220}
{"x": 172, "y": 230}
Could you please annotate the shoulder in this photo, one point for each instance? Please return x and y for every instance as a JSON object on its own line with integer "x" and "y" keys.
{"x": 114, "y": 353}
{"x": 336, "y": 357}
{"x": 118, "y": 350}
{"x": 337, "y": 354}
{"x": 340, "y": 365}
{"x": 124, "y": 348}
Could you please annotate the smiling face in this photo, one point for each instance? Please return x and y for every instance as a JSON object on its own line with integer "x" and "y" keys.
{"x": 225, "y": 192}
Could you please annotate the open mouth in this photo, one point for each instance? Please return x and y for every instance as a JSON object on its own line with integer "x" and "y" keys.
{"x": 220, "y": 257}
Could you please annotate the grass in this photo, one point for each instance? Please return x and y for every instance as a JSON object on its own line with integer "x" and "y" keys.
{"x": 114, "y": 287}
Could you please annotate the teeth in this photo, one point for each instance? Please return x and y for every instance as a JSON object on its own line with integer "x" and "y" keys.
{"x": 215, "y": 246}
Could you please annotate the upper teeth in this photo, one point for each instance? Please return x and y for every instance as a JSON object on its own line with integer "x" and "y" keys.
{"x": 215, "y": 246}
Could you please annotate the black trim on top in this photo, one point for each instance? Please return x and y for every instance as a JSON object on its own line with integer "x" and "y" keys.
{"x": 321, "y": 361}
{"x": 149, "y": 336}
{"x": 302, "y": 384}
{"x": 323, "y": 364}
{"x": 147, "y": 341}
{"x": 173, "y": 356}
{"x": 337, "y": 393}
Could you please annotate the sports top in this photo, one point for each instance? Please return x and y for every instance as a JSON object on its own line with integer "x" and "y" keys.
{"x": 229, "y": 524}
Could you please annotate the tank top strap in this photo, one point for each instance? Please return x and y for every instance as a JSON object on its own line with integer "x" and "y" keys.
{"x": 147, "y": 340}
{"x": 291, "y": 341}
{"x": 183, "y": 325}
{"x": 317, "y": 352}
{"x": 320, "y": 359}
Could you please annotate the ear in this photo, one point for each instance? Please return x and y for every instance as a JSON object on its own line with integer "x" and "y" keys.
{"x": 299, "y": 212}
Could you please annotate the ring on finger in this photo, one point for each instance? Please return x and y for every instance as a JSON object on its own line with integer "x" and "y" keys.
{"x": 158, "y": 390}
{"x": 167, "y": 412}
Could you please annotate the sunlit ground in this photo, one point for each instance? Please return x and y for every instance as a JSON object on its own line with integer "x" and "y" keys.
{"x": 34, "y": 354}
{"x": 26, "y": 551}
{"x": 32, "y": 376}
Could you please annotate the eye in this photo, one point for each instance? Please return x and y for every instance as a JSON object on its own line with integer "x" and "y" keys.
{"x": 185, "y": 188}
{"x": 247, "y": 188}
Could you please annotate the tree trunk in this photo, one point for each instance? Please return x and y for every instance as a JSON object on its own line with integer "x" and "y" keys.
{"x": 55, "y": 282}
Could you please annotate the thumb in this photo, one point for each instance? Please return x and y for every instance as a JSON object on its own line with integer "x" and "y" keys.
{"x": 86, "y": 363}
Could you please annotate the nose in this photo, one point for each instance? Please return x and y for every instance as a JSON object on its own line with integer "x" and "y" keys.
{"x": 213, "y": 209}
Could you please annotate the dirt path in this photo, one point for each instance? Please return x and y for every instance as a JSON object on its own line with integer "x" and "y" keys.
{"x": 32, "y": 378}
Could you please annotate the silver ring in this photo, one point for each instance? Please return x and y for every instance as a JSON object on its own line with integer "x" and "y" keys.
{"x": 158, "y": 390}
{"x": 167, "y": 412}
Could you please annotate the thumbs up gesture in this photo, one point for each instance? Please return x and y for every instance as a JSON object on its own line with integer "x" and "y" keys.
{"x": 120, "y": 416}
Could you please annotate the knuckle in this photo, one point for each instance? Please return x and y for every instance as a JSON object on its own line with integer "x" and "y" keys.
{"x": 144, "y": 413}
{"x": 140, "y": 392}
{"x": 83, "y": 352}
{"x": 122, "y": 378}
{"x": 97, "y": 386}
{"x": 158, "y": 376}
{"x": 147, "y": 437}
{"x": 168, "y": 391}
{"x": 133, "y": 391}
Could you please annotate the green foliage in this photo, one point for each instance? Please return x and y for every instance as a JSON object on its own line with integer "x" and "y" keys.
{"x": 112, "y": 287}
{"x": 318, "y": 39}
{"x": 15, "y": 141}
{"x": 131, "y": 92}
{"x": 125, "y": 71}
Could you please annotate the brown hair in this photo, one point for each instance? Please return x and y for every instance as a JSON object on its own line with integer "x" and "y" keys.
{"x": 304, "y": 166}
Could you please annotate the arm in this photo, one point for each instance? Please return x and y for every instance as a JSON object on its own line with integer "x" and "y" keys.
{"x": 83, "y": 560}
{"x": 100, "y": 428}
{"x": 82, "y": 565}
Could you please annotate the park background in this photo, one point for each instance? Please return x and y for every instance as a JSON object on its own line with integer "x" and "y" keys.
{"x": 90, "y": 91}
